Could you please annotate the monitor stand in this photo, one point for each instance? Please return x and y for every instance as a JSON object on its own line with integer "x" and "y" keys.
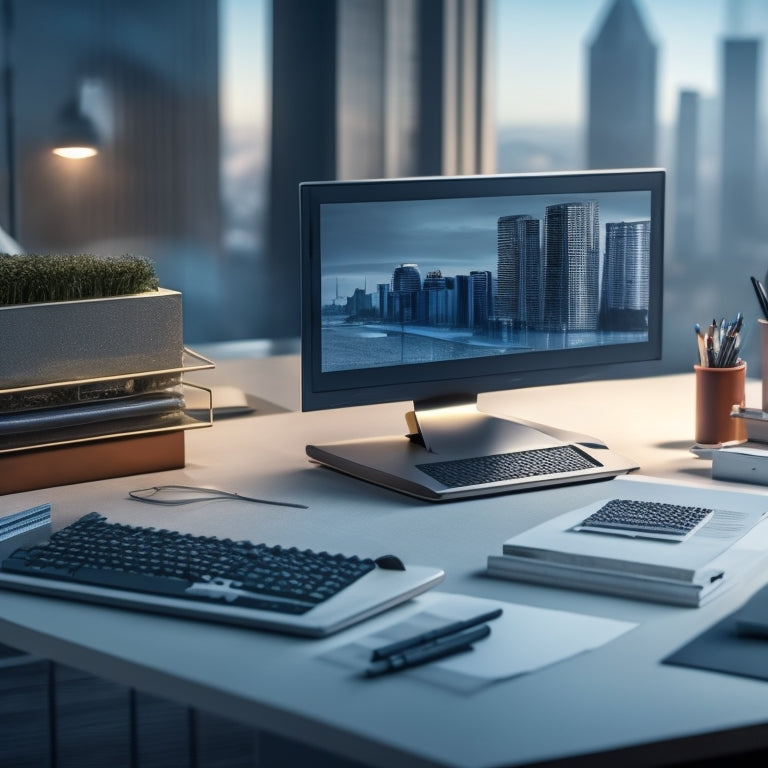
{"x": 440, "y": 433}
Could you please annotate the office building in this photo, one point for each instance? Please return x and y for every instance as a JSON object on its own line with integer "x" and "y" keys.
{"x": 406, "y": 278}
{"x": 571, "y": 288}
{"x": 624, "y": 295}
{"x": 481, "y": 286}
{"x": 403, "y": 299}
{"x": 686, "y": 199}
{"x": 382, "y": 290}
{"x": 465, "y": 302}
{"x": 436, "y": 299}
{"x": 739, "y": 158}
{"x": 518, "y": 296}
{"x": 621, "y": 119}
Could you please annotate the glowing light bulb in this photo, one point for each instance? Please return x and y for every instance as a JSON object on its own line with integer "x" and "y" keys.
{"x": 75, "y": 153}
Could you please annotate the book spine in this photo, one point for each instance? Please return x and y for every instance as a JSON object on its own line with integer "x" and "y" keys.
{"x": 609, "y": 564}
{"x": 623, "y": 585}
{"x": 24, "y": 529}
{"x": 18, "y": 522}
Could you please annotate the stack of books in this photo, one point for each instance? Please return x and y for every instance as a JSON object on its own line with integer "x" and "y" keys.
{"x": 686, "y": 570}
{"x": 24, "y": 529}
{"x": 746, "y": 462}
{"x": 59, "y": 433}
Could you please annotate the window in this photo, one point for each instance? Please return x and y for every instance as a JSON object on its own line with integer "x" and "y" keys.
{"x": 598, "y": 83}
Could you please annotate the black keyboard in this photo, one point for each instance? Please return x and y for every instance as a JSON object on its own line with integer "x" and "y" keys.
{"x": 647, "y": 517}
{"x": 482, "y": 470}
{"x": 93, "y": 551}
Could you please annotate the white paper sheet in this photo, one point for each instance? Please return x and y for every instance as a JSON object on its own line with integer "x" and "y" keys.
{"x": 523, "y": 639}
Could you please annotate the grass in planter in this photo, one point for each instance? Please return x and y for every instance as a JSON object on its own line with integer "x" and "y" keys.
{"x": 34, "y": 278}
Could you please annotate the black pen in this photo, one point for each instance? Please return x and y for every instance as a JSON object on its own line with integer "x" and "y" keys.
{"x": 433, "y": 634}
{"x": 728, "y": 347}
{"x": 762, "y": 298}
{"x": 437, "y": 649}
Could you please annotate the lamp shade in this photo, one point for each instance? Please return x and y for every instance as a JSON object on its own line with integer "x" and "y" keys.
{"x": 76, "y": 136}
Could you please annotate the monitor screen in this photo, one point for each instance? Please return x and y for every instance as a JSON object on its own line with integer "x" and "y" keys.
{"x": 437, "y": 288}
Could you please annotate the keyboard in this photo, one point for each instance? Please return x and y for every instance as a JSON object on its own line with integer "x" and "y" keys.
{"x": 500, "y": 467}
{"x": 648, "y": 519}
{"x": 270, "y": 587}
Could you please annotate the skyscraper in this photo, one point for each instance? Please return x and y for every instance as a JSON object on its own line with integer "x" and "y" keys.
{"x": 739, "y": 141}
{"x": 571, "y": 266}
{"x": 465, "y": 311}
{"x": 481, "y": 282}
{"x": 621, "y": 131}
{"x": 626, "y": 276}
{"x": 518, "y": 296}
{"x": 403, "y": 298}
{"x": 437, "y": 310}
{"x": 383, "y": 291}
{"x": 406, "y": 277}
{"x": 686, "y": 176}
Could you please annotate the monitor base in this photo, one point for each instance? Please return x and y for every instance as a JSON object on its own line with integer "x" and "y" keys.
{"x": 462, "y": 432}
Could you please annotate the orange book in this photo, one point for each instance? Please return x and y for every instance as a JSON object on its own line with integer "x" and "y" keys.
{"x": 94, "y": 460}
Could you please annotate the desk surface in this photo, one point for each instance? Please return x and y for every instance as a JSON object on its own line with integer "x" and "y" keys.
{"x": 610, "y": 700}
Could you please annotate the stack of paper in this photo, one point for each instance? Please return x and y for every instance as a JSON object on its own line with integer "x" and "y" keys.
{"x": 682, "y": 573}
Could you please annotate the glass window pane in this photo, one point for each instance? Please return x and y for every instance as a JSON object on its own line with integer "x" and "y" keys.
{"x": 622, "y": 83}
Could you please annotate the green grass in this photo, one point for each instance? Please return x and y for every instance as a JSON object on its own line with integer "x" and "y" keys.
{"x": 37, "y": 278}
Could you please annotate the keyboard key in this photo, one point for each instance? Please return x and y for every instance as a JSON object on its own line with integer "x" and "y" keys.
{"x": 483, "y": 470}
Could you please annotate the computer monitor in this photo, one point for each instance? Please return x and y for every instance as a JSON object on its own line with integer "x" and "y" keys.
{"x": 434, "y": 290}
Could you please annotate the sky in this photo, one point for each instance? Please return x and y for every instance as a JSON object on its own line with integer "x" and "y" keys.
{"x": 547, "y": 41}
{"x": 245, "y": 46}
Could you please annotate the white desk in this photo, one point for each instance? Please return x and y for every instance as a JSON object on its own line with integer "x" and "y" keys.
{"x": 619, "y": 698}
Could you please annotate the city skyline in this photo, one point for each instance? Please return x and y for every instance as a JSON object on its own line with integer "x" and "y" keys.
{"x": 551, "y": 289}
{"x": 550, "y": 276}
{"x": 361, "y": 241}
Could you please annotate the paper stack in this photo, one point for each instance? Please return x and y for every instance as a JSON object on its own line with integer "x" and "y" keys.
{"x": 684, "y": 573}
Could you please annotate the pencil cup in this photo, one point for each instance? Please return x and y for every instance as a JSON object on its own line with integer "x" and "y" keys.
{"x": 717, "y": 391}
{"x": 763, "y": 328}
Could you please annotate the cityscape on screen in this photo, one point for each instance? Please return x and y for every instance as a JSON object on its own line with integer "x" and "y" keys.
{"x": 412, "y": 282}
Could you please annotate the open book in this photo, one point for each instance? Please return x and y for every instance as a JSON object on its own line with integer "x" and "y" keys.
{"x": 557, "y": 553}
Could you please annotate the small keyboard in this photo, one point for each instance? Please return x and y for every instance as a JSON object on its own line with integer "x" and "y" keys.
{"x": 210, "y": 577}
{"x": 500, "y": 467}
{"x": 646, "y": 518}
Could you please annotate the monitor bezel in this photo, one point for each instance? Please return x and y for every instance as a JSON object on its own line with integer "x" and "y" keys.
{"x": 449, "y": 379}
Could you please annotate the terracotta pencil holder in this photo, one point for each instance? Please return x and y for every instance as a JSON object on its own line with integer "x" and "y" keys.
{"x": 717, "y": 391}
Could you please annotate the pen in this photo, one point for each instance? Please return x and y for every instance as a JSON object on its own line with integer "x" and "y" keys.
{"x": 762, "y": 298}
{"x": 729, "y": 347}
{"x": 437, "y": 649}
{"x": 710, "y": 351}
{"x": 433, "y": 634}
{"x": 701, "y": 344}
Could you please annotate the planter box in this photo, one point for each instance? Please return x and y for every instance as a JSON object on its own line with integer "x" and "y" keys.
{"x": 89, "y": 339}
